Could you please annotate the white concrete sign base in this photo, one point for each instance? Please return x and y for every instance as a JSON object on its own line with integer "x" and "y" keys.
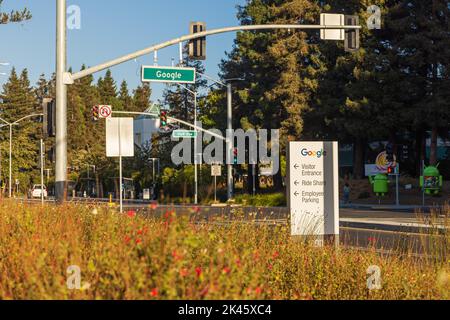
{"x": 313, "y": 188}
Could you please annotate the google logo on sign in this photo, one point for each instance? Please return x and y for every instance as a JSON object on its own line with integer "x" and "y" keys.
{"x": 317, "y": 154}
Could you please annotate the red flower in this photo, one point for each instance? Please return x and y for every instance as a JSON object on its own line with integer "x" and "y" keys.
{"x": 270, "y": 267}
{"x": 258, "y": 290}
{"x": 127, "y": 239}
{"x": 196, "y": 209}
{"x": 276, "y": 254}
{"x": 198, "y": 271}
{"x": 131, "y": 214}
{"x": 184, "y": 272}
{"x": 226, "y": 270}
{"x": 256, "y": 255}
{"x": 153, "y": 206}
{"x": 238, "y": 262}
{"x": 140, "y": 232}
{"x": 154, "y": 292}
{"x": 138, "y": 241}
{"x": 175, "y": 256}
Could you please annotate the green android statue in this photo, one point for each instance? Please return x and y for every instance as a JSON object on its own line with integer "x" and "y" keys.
{"x": 380, "y": 183}
{"x": 431, "y": 181}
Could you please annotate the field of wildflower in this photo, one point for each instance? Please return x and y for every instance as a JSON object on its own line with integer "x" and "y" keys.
{"x": 132, "y": 256}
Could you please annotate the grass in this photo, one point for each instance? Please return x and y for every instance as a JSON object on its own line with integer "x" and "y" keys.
{"x": 262, "y": 200}
{"x": 134, "y": 257}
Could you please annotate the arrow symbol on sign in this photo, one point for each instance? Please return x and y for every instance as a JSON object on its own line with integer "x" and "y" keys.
{"x": 296, "y": 183}
{"x": 296, "y": 194}
{"x": 296, "y": 166}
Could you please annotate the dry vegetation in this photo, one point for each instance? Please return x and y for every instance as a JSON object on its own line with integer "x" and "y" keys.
{"x": 133, "y": 257}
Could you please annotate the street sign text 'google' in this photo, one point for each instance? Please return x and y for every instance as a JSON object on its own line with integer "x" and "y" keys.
{"x": 168, "y": 74}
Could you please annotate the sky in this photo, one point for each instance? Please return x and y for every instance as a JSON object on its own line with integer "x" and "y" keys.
{"x": 110, "y": 29}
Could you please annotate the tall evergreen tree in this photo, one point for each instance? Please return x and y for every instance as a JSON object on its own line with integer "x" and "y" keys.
{"x": 19, "y": 101}
{"x": 279, "y": 68}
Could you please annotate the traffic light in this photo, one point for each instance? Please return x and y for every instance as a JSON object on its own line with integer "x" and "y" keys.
{"x": 235, "y": 155}
{"x": 163, "y": 119}
{"x": 95, "y": 113}
{"x": 351, "y": 41}
{"x": 197, "y": 47}
{"x": 390, "y": 170}
{"x": 49, "y": 121}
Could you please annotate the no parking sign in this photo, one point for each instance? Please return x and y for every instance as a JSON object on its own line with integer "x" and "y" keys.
{"x": 105, "y": 112}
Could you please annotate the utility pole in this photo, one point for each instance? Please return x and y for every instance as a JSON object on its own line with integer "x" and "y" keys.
{"x": 10, "y": 160}
{"x": 195, "y": 150}
{"x": 61, "y": 103}
{"x": 42, "y": 170}
{"x": 229, "y": 142}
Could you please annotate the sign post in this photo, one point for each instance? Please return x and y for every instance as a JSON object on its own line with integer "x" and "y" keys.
{"x": 313, "y": 190}
{"x": 120, "y": 143}
{"x": 216, "y": 171}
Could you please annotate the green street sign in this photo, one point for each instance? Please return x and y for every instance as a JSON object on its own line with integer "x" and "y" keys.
{"x": 168, "y": 74}
{"x": 191, "y": 134}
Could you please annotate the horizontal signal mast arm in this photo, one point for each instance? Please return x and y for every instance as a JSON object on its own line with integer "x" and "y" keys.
{"x": 72, "y": 77}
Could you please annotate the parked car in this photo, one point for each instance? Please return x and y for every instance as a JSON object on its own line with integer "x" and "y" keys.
{"x": 37, "y": 190}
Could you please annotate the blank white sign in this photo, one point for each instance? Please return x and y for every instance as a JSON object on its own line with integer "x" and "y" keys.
{"x": 119, "y": 137}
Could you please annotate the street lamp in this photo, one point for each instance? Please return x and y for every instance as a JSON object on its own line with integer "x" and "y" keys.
{"x": 227, "y": 84}
{"x": 195, "y": 142}
{"x": 11, "y": 124}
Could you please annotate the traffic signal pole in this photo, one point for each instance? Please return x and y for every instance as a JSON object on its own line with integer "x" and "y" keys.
{"x": 64, "y": 78}
{"x": 61, "y": 104}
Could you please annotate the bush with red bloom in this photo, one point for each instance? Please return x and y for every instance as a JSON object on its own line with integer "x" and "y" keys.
{"x": 258, "y": 291}
{"x": 127, "y": 239}
{"x": 198, "y": 271}
{"x": 131, "y": 213}
{"x": 138, "y": 241}
{"x": 276, "y": 254}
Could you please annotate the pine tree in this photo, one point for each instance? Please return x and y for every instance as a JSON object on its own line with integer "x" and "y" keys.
{"x": 19, "y": 101}
{"x": 179, "y": 100}
{"x": 141, "y": 98}
{"x": 14, "y": 16}
{"x": 279, "y": 69}
{"x": 124, "y": 96}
